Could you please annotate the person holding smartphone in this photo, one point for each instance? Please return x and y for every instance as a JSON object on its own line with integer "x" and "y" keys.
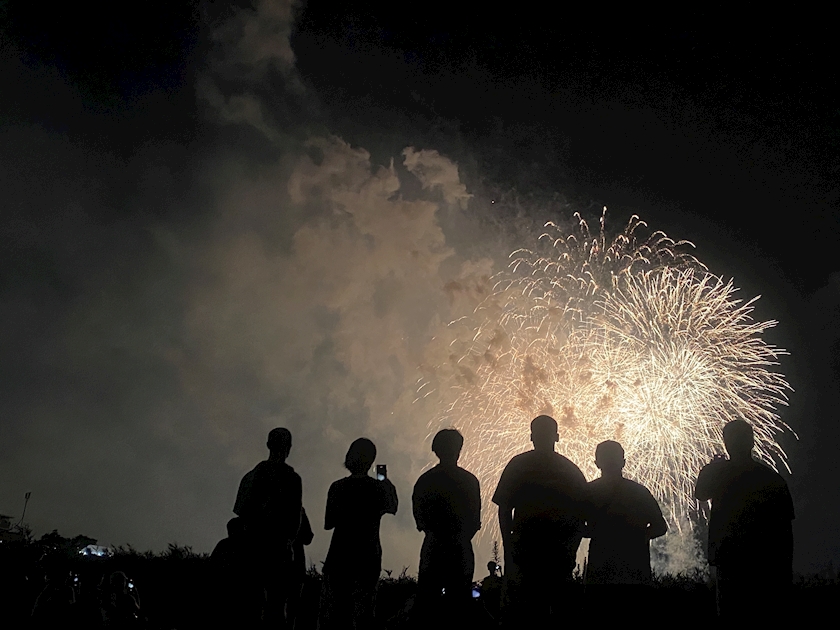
{"x": 355, "y": 506}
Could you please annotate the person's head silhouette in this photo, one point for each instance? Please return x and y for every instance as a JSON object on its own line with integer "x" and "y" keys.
{"x": 236, "y": 528}
{"x": 739, "y": 440}
{"x": 447, "y": 446}
{"x": 544, "y": 433}
{"x": 609, "y": 458}
{"x": 279, "y": 443}
{"x": 492, "y": 567}
{"x": 360, "y": 456}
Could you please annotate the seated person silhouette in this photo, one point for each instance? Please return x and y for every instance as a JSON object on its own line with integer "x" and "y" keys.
{"x": 355, "y": 506}
{"x": 447, "y": 508}
{"x": 622, "y": 518}
{"x": 541, "y": 498}
{"x": 239, "y": 592}
{"x": 491, "y": 590}
{"x": 750, "y": 530}
{"x": 269, "y": 502}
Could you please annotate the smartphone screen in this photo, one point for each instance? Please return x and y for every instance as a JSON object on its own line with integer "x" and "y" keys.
{"x": 381, "y": 472}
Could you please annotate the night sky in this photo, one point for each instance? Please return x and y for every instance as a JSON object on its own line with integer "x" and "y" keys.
{"x": 198, "y": 244}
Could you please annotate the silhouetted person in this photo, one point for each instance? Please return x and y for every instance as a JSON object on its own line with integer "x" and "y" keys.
{"x": 491, "y": 590}
{"x": 121, "y": 603}
{"x": 447, "y": 508}
{"x": 355, "y": 506}
{"x": 750, "y": 530}
{"x": 621, "y": 519}
{"x": 54, "y": 605}
{"x": 541, "y": 497}
{"x": 303, "y": 538}
{"x": 269, "y": 502}
{"x": 239, "y": 589}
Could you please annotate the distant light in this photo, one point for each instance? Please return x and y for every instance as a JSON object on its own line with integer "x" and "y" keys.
{"x": 476, "y": 593}
{"x": 98, "y": 551}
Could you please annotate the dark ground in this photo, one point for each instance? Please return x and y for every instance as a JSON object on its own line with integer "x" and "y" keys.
{"x": 179, "y": 589}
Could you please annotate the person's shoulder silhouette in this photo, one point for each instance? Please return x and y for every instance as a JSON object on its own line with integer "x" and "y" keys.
{"x": 622, "y": 518}
{"x": 542, "y": 498}
{"x": 355, "y": 505}
{"x": 750, "y": 528}
{"x": 541, "y": 484}
{"x": 447, "y": 507}
{"x": 229, "y": 551}
{"x": 270, "y": 504}
{"x": 752, "y": 508}
{"x": 270, "y": 497}
{"x": 447, "y": 498}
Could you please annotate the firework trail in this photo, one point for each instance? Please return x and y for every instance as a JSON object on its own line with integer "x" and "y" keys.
{"x": 628, "y": 338}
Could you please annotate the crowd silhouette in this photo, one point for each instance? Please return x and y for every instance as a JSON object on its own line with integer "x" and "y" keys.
{"x": 545, "y": 508}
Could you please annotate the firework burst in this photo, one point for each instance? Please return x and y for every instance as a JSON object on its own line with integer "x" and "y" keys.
{"x": 628, "y": 338}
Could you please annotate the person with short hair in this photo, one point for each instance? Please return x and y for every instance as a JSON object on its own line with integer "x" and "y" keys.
{"x": 750, "y": 529}
{"x": 447, "y": 509}
{"x": 270, "y": 503}
{"x": 622, "y": 518}
{"x": 541, "y": 497}
{"x": 355, "y": 506}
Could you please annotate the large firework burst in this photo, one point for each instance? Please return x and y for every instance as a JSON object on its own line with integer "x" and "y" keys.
{"x": 627, "y": 338}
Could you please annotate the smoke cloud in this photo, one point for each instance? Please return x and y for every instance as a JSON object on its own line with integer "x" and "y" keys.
{"x": 159, "y": 334}
{"x": 311, "y": 289}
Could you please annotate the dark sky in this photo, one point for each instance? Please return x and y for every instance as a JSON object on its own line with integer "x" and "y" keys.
{"x": 160, "y": 310}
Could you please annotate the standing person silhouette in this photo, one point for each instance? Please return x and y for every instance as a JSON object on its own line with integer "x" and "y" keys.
{"x": 541, "y": 497}
{"x": 355, "y": 506}
{"x": 750, "y": 530}
{"x": 622, "y": 518}
{"x": 270, "y": 504}
{"x": 447, "y": 508}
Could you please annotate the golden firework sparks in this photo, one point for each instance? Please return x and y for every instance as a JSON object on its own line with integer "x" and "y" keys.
{"x": 627, "y": 339}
